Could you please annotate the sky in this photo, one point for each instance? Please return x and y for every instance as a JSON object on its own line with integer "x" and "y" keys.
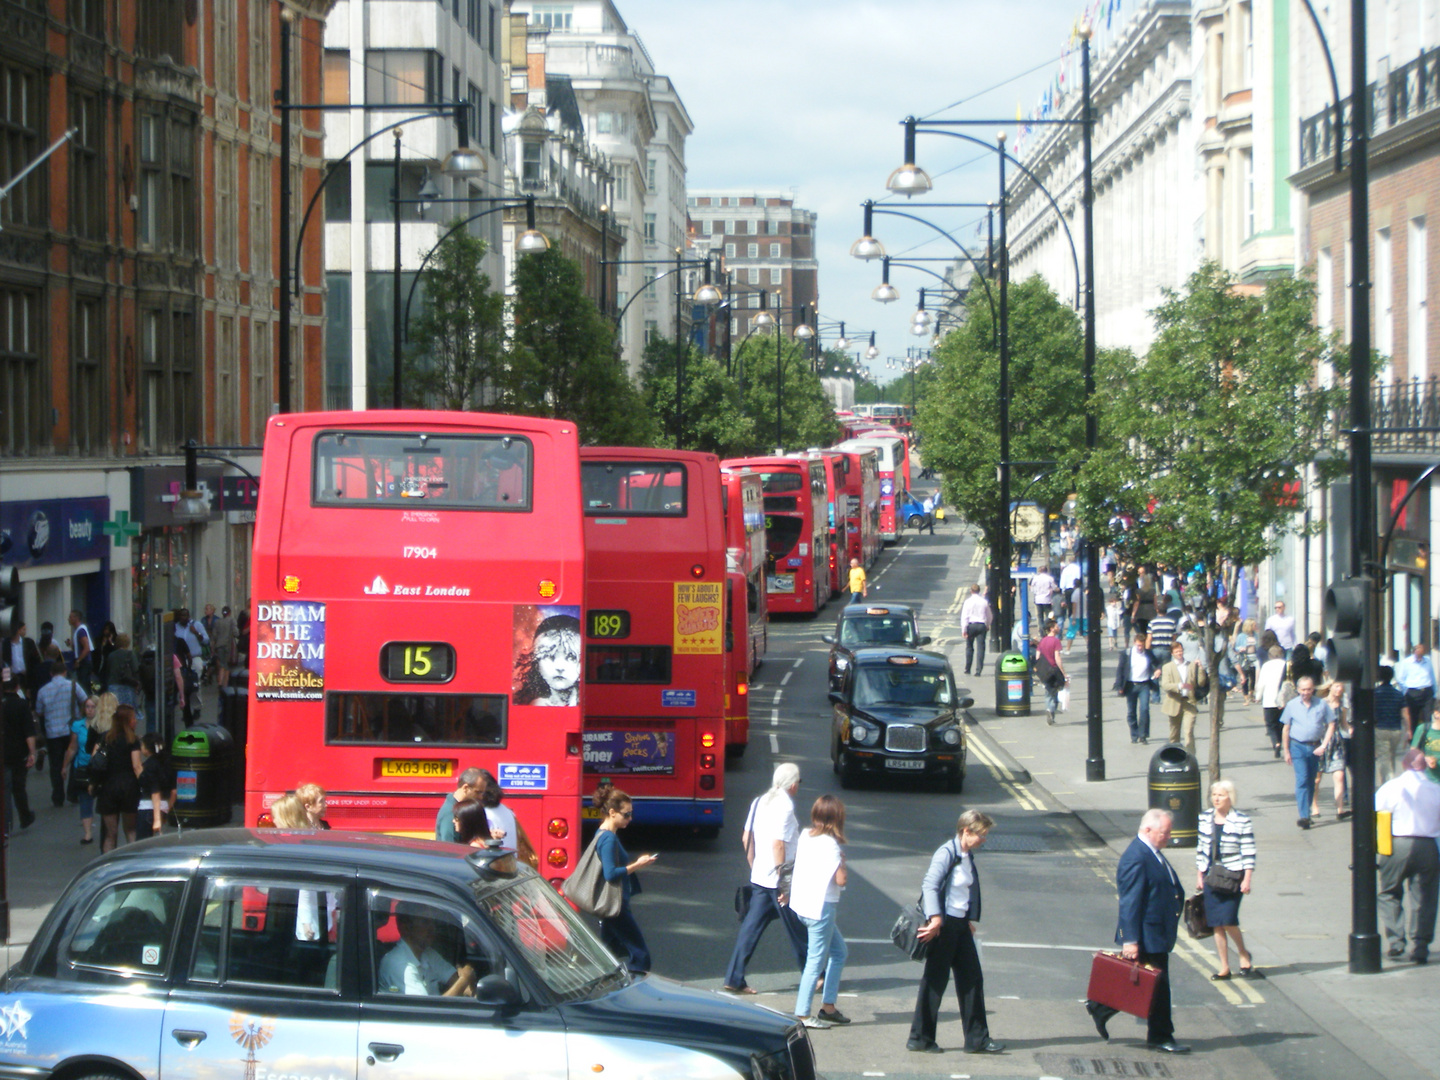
{"x": 807, "y": 96}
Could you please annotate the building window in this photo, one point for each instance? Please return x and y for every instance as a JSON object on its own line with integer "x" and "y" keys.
{"x": 552, "y": 16}
{"x": 20, "y": 130}
{"x": 752, "y": 251}
{"x": 752, "y": 276}
{"x": 147, "y": 222}
{"x": 1247, "y": 162}
{"x": 730, "y": 228}
{"x": 336, "y": 90}
{"x": 260, "y": 351}
{"x": 88, "y": 16}
{"x": 775, "y": 251}
{"x": 261, "y": 41}
{"x": 1384, "y": 295}
{"x": 494, "y": 129}
{"x": 611, "y": 123}
{"x": 168, "y": 213}
{"x": 225, "y": 47}
{"x": 650, "y": 173}
{"x": 403, "y": 76}
{"x": 650, "y": 286}
{"x": 531, "y": 176}
{"x": 87, "y": 176}
{"x": 227, "y": 220}
{"x": 260, "y": 262}
{"x": 184, "y": 199}
{"x": 621, "y": 188}
{"x": 88, "y": 426}
{"x": 729, "y": 251}
{"x": 1417, "y": 306}
{"x": 21, "y": 381}
{"x": 650, "y": 227}
{"x": 168, "y": 403}
{"x": 159, "y": 32}
{"x": 777, "y": 276}
{"x": 1247, "y": 37}
{"x": 755, "y": 300}
{"x": 494, "y": 35}
{"x": 652, "y": 329}
{"x": 1325, "y": 291}
{"x": 227, "y": 392}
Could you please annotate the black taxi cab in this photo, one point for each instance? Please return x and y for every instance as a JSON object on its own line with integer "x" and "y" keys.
{"x": 898, "y": 712}
{"x": 277, "y": 955}
{"x": 862, "y": 625}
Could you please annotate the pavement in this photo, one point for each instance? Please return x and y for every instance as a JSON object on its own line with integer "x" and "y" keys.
{"x": 1296, "y": 921}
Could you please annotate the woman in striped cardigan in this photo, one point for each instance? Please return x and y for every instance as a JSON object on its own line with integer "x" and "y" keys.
{"x": 1226, "y": 838}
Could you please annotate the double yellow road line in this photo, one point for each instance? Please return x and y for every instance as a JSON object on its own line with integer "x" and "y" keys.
{"x": 1003, "y": 776}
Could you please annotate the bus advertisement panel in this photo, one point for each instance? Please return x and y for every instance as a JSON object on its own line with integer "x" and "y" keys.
{"x": 797, "y": 572}
{"x": 862, "y": 507}
{"x": 746, "y": 616}
{"x": 655, "y": 658}
{"x": 391, "y": 651}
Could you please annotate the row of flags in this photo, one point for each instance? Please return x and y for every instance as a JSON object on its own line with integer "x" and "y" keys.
{"x": 1106, "y": 18}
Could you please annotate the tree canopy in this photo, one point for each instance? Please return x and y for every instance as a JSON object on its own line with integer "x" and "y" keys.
{"x": 714, "y": 420}
{"x": 807, "y": 413}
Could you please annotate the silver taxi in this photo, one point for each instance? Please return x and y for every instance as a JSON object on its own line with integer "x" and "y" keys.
{"x": 275, "y": 955}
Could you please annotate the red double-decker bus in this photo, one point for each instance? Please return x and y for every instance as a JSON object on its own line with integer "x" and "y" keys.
{"x": 408, "y": 626}
{"x": 747, "y": 620}
{"x": 655, "y": 661}
{"x": 836, "y": 466}
{"x": 797, "y": 571}
{"x": 893, "y": 461}
{"x": 861, "y": 507}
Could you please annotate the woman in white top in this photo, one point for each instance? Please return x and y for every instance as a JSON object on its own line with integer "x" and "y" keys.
{"x": 1268, "y": 685}
{"x": 815, "y": 887}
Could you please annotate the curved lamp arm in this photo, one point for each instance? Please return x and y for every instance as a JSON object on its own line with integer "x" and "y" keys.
{"x": 1074, "y": 251}
{"x": 981, "y": 274}
{"x": 334, "y": 165}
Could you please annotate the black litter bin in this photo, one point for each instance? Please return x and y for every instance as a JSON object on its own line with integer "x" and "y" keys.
{"x": 1175, "y": 786}
{"x": 204, "y": 760}
{"x": 1012, "y": 685}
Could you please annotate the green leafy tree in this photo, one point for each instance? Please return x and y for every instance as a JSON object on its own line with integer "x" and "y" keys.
{"x": 807, "y": 413}
{"x": 957, "y": 403}
{"x": 714, "y": 420}
{"x": 455, "y": 357}
{"x": 1198, "y": 442}
{"x": 563, "y": 359}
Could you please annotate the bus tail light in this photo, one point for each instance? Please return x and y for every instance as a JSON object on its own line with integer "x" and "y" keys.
{"x": 741, "y": 686}
{"x": 707, "y": 783}
{"x": 697, "y": 571}
{"x": 557, "y": 857}
{"x": 265, "y": 821}
{"x": 574, "y": 744}
{"x": 707, "y": 740}
{"x": 559, "y": 828}
{"x": 707, "y": 761}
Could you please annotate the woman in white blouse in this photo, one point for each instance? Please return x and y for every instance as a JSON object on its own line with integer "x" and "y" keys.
{"x": 1226, "y": 839}
{"x": 815, "y": 888}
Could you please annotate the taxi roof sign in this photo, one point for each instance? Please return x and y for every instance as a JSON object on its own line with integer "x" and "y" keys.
{"x": 903, "y": 660}
{"x": 877, "y": 611}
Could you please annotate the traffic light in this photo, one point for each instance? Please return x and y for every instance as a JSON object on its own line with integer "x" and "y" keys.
{"x": 1350, "y": 653}
{"x": 10, "y": 619}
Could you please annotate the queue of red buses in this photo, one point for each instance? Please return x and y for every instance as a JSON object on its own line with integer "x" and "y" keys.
{"x": 893, "y": 462}
{"x": 418, "y": 587}
{"x": 797, "y": 568}
{"x": 655, "y": 659}
{"x": 746, "y": 619}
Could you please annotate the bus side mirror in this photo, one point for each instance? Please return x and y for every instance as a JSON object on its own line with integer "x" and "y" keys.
{"x": 496, "y": 990}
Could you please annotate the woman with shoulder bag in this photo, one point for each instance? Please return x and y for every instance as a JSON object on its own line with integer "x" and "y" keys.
{"x": 951, "y": 898}
{"x": 815, "y": 887}
{"x": 621, "y": 933}
{"x": 1225, "y": 864}
{"x": 84, "y": 733}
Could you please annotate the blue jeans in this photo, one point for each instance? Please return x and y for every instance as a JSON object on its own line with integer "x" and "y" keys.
{"x": 826, "y": 953}
{"x": 763, "y": 911}
{"x": 1137, "y": 709}
{"x": 1307, "y": 771}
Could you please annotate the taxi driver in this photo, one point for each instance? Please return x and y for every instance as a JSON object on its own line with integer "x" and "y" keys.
{"x": 414, "y": 967}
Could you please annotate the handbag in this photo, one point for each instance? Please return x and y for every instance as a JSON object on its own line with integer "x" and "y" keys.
{"x": 99, "y": 765}
{"x": 1219, "y": 879}
{"x": 1195, "y": 924}
{"x": 587, "y": 888}
{"x": 905, "y": 932}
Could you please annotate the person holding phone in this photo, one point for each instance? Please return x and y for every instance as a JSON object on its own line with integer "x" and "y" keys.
{"x": 621, "y": 933}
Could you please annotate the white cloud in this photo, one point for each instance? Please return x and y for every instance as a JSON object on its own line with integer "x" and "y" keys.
{"x": 809, "y": 94}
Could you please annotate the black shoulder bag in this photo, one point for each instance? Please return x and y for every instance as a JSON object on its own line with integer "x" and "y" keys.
{"x": 1218, "y": 879}
{"x": 905, "y": 933}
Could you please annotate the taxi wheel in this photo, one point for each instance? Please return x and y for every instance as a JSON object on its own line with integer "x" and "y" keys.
{"x": 849, "y": 775}
{"x": 955, "y": 782}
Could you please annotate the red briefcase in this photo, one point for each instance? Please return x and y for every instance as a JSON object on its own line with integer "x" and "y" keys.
{"x": 1126, "y": 985}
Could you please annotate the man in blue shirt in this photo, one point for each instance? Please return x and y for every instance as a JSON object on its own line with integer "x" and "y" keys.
{"x": 1307, "y": 726}
{"x": 1392, "y": 734}
{"x": 1415, "y": 678}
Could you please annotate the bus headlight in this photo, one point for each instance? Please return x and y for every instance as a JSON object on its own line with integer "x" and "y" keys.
{"x": 950, "y": 736}
{"x": 864, "y": 734}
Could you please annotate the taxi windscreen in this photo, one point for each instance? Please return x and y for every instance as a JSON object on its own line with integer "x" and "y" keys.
{"x": 877, "y": 630}
{"x": 890, "y": 685}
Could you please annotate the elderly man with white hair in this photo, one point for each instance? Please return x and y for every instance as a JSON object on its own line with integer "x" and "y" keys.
{"x": 1151, "y": 900}
{"x": 1412, "y": 800}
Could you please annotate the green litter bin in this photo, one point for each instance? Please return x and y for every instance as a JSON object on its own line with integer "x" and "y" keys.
{"x": 204, "y": 760}
{"x": 1012, "y": 685}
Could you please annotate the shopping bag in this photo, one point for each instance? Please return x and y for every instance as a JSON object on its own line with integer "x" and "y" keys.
{"x": 1063, "y": 697}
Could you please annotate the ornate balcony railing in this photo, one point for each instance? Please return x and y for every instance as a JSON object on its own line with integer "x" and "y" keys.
{"x": 1408, "y": 91}
{"x": 1411, "y": 404}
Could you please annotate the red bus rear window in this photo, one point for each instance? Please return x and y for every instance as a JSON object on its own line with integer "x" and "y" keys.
{"x": 782, "y": 535}
{"x": 411, "y": 719}
{"x": 782, "y": 481}
{"x": 627, "y": 664}
{"x": 391, "y": 468}
{"x": 633, "y": 488}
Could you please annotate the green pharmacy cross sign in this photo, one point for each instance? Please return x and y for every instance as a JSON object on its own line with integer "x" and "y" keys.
{"x": 121, "y": 529}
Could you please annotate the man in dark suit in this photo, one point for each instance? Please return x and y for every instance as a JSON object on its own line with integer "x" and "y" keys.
{"x": 1151, "y": 901}
{"x": 22, "y": 657}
